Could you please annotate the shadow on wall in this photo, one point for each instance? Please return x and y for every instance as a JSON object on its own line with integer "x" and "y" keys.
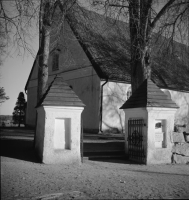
{"x": 114, "y": 95}
{"x": 182, "y": 114}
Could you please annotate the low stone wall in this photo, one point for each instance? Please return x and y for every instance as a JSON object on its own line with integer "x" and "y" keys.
{"x": 180, "y": 149}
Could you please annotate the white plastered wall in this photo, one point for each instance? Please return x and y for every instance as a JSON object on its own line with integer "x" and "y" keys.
{"x": 86, "y": 85}
{"x": 77, "y": 71}
{"x": 31, "y": 103}
{"x": 114, "y": 95}
{"x": 153, "y": 154}
{"x": 32, "y": 97}
{"x": 160, "y": 155}
{"x": 49, "y": 146}
{"x": 182, "y": 114}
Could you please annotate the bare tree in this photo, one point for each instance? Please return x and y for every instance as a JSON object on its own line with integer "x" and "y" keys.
{"x": 19, "y": 19}
{"x": 48, "y": 14}
{"x": 3, "y": 96}
{"x": 148, "y": 21}
{"x": 18, "y": 24}
{"x": 51, "y": 15}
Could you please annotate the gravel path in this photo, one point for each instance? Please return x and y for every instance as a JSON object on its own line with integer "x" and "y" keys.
{"x": 23, "y": 178}
{"x": 92, "y": 180}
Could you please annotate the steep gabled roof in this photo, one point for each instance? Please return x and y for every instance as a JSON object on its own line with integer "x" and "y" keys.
{"x": 107, "y": 44}
{"x": 60, "y": 94}
{"x": 149, "y": 95}
{"x": 31, "y": 73}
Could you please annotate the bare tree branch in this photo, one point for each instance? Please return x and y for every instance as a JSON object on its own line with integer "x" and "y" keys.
{"x": 161, "y": 12}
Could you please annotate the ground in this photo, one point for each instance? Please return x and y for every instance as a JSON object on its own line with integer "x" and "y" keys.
{"x": 22, "y": 177}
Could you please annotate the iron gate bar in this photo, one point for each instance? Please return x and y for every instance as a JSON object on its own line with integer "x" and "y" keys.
{"x": 135, "y": 139}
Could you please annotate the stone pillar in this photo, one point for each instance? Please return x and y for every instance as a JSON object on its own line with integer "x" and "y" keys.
{"x": 58, "y": 129}
{"x": 157, "y": 111}
{"x": 160, "y": 126}
{"x": 58, "y": 134}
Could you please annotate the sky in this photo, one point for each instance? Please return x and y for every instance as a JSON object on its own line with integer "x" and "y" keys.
{"x": 14, "y": 73}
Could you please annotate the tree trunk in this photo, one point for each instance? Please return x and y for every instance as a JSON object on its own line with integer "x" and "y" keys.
{"x": 139, "y": 12}
{"x": 44, "y": 43}
{"x": 43, "y": 53}
{"x": 43, "y": 62}
{"x": 140, "y": 66}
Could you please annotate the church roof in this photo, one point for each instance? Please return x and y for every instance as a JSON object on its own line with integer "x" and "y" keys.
{"x": 107, "y": 44}
{"x": 60, "y": 94}
{"x": 149, "y": 95}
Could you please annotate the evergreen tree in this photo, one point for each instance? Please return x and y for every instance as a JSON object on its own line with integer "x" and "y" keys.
{"x": 20, "y": 110}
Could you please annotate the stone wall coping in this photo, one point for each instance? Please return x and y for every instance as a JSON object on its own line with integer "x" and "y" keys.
{"x": 60, "y": 107}
{"x": 153, "y": 109}
{"x": 161, "y": 109}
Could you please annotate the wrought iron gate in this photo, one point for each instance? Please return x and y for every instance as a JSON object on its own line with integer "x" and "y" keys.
{"x": 135, "y": 140}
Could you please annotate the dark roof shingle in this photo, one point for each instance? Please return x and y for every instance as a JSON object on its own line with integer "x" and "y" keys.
{"x": 60, "y": 94}
{"x": 107, "y": 44}
{"x": 149, "y": 95}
